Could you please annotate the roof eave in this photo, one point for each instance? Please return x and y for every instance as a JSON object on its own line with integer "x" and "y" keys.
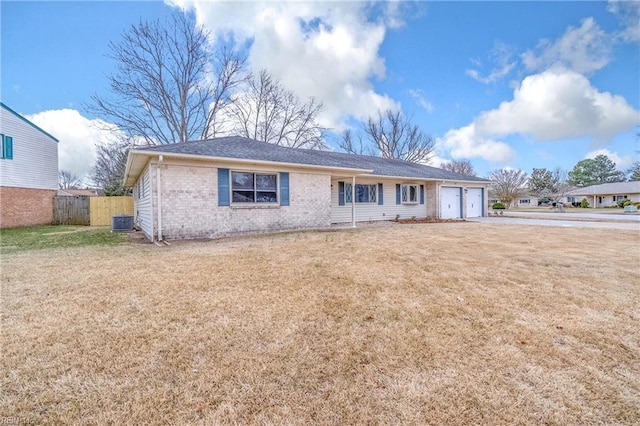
{"x": 130, "y": 180}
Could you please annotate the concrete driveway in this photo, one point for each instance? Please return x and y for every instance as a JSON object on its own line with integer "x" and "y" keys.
{"x": 537, "y": 221}
{"x": 629, "y": 217}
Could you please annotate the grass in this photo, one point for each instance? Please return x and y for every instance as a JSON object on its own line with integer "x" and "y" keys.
{"x": 452, "y": 323}
{"x": 48, "y": 237}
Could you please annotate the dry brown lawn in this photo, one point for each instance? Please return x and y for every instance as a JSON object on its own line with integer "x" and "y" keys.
{"x": 453, "y": 323}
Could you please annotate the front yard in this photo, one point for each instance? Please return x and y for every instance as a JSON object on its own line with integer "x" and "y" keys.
{"x": 449, "y": 323}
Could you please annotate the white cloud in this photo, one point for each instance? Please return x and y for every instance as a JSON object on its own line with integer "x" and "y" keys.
{"x": 327, "y": 50}
{"x": 585, "y": 49}
{"x": 421, "y": 100}
{"x": 78, "y": 137}
{"x": 501, "y": 55}
{"x": 466, "y": 142}
{"x": 560, "y": 104}
{"x": 621, "y": 161}
{"x": 629, "y": 14}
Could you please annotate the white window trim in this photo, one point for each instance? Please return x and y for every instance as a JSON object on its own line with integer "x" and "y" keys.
{"x": 254, "y": 203}
{"x": 408, "y": 192}
{"x": 348, "y": 187}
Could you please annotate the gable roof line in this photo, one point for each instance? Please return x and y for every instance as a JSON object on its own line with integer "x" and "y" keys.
{"x": 28, "y": 122}
{"x": 250, "y": 151}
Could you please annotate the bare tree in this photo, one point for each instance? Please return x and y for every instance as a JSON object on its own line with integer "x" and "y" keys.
{"x": 268, "y": 112}
{"x": 169, "y": 86}
{"x": 391, "y": 135}
{"x": 348, "y": 144}
{"x": 108, "y": 170}
{"x": 68, "y": 180}
{"x": 507, "y": 185}
{"x": 463, "y": 167}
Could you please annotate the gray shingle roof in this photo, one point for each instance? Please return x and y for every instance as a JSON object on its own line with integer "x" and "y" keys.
{"x": 243, "y": 148}
{"x": 632, "y": 187}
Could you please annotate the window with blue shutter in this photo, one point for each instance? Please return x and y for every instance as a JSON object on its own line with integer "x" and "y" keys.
{"x": 421, "y": 194}
{"x": 398, "y": 193}
{"x": 380, "y": 199}
{"x": 284, "y": 189}
{"x": 341, "y": 193}
{"x": 223, "y": 187}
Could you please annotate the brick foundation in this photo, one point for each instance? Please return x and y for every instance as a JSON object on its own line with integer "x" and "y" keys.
{"x": 25, "y": 206}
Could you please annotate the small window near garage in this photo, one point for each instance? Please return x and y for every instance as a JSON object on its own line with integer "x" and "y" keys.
{"x": 364, "y": 193}
{"x": 249, "y": 187}
{"x": 409, "y": 194}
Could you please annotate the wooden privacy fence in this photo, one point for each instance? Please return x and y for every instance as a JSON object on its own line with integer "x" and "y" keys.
{"x": 103, "y": 208}
{"x": 71, "y": 210}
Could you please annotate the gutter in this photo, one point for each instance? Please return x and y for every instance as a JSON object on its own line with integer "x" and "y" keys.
{"x": 159, "y": 191}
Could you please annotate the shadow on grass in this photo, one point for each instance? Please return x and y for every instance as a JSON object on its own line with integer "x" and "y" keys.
{"x": 45, "y": 237}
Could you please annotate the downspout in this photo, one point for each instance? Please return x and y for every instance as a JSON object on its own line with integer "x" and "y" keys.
{"x": 353, "y": 202}
{"x": 159, "y": 185}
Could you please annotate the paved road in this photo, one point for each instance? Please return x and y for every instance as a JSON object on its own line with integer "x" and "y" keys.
{"x": 627, "y": 226}
{"x": 569, "y": 215}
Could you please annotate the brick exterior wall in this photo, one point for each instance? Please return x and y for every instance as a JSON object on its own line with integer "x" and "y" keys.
{"x": 431, "y": 199}
{"x": 25, "y": 207}
{"x": 190, "y": 205}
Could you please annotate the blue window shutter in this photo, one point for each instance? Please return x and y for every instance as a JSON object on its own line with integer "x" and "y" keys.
{"x": 8, "y": 147}
{"x": 223, "y": 187}
{"x": 380, "y": 195}
{"x": 421, "y": 194}
{"x": 341, "y": 193}
{"x": 397, "y": 193}
{"x": 284, "y": 189}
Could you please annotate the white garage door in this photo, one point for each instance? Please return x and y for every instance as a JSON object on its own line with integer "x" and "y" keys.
{"x": 450, "y": 202}
{"x": 474, "y": 202}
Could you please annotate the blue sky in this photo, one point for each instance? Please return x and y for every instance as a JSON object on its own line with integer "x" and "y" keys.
{"x": 503, "y": 84}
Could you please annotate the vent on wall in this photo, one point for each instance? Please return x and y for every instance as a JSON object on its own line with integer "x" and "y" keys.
{"x": 122, "y": 223}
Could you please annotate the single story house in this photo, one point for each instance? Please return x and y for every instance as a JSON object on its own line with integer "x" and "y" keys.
{"x": 28, "y": 171}
{"x": 231, "y": 185}
{"x": 607, "y": 194}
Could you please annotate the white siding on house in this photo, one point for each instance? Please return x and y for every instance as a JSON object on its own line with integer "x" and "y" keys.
{"x": 143, "y": 202}
{"x": 35, "y": 155}
{"x": 365, "y": 212}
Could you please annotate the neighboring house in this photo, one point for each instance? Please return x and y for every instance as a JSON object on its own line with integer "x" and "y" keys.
{"x": 28, "y": 171}
{"x": 525, "y": 201}
{"x": 231, "y": 185}
{"x": 607, "y": 194}
{"x": 77, "y": 192}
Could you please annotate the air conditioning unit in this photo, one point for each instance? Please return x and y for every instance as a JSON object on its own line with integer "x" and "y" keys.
{"x": 122, "y": 223}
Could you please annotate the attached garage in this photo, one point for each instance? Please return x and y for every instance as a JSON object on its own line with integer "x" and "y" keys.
{"x": 450, "y": 202}
{"x": 475, "y": 202}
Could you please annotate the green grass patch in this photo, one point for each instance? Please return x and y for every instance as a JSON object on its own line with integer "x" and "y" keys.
{"x": 44, "y": 237}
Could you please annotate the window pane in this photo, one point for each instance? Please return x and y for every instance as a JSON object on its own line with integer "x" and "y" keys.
{"x": 348, "y": 193}
{"x": 413, "y": 193}
{"x": 266, "y": 182}
{"x": 405, "y": 195}
{"x": 372, "y": 193}
{"x": 240, "y": 180}
{"x": 266, "y": 197}
{"x": 243, "y": 196}
{"x": 362, "y": 194}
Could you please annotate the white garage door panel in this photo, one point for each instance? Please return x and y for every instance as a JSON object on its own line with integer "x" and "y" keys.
{"x": 450, "y": 203}
{"x": 474, "y": 202}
